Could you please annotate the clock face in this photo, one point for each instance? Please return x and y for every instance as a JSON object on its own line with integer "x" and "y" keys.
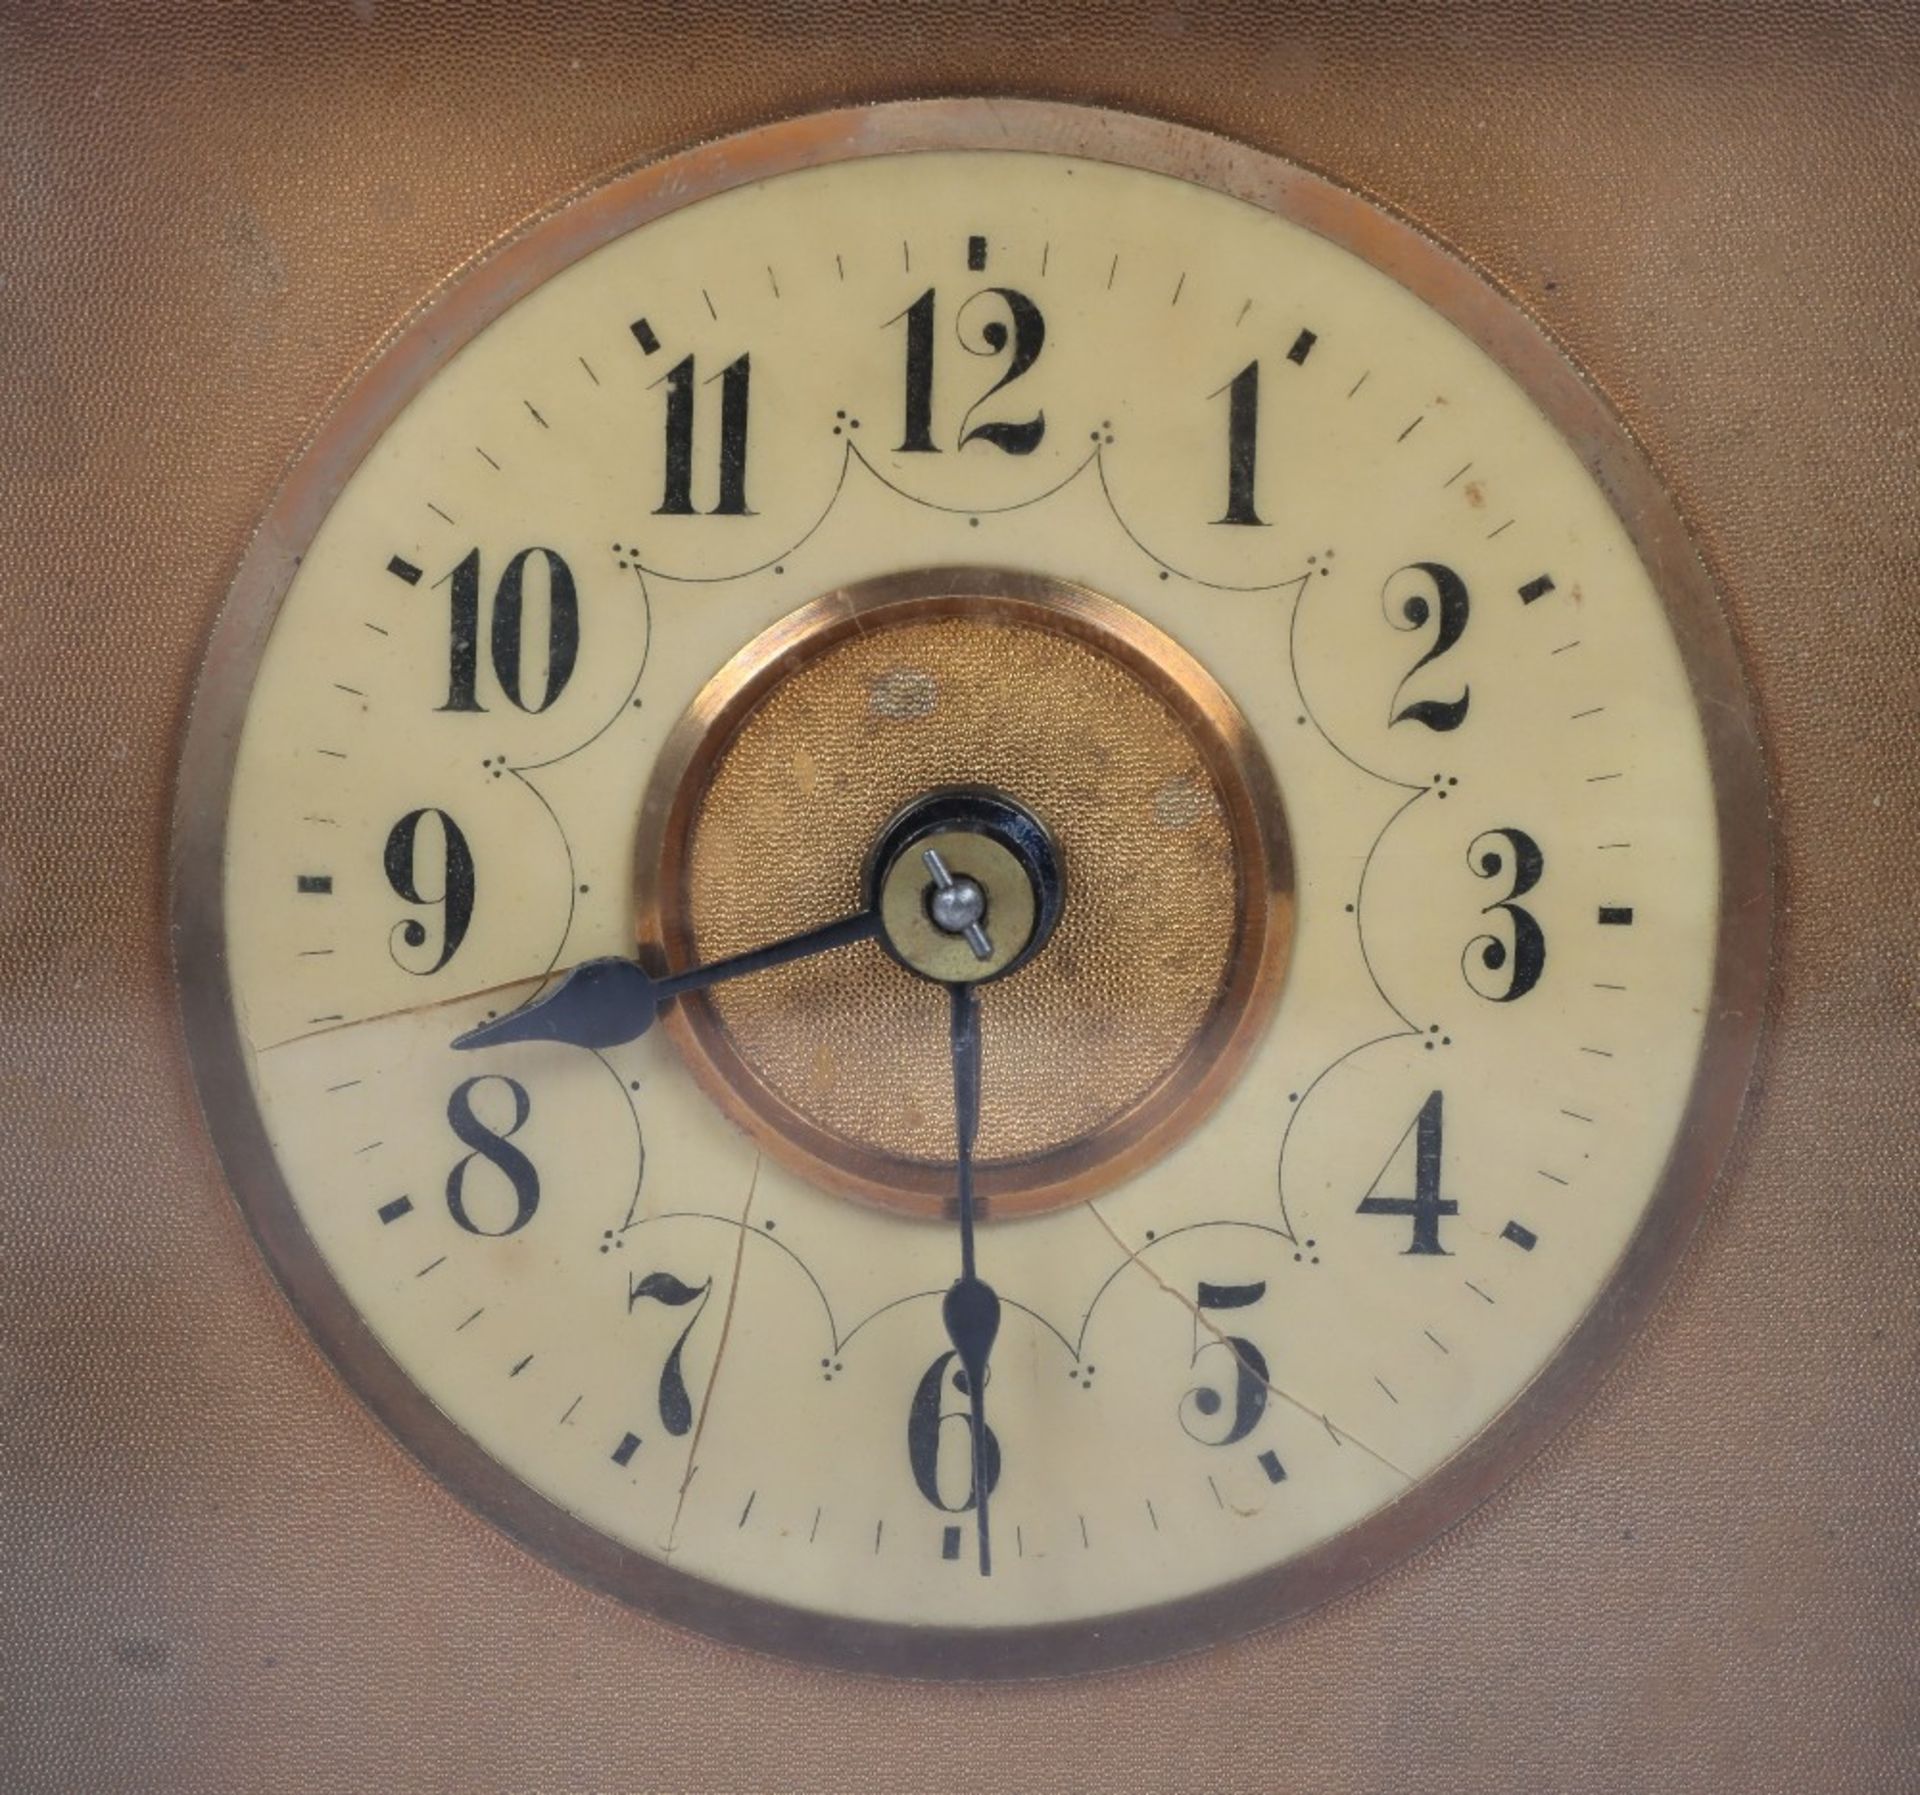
{"x": 1256, "y": 850}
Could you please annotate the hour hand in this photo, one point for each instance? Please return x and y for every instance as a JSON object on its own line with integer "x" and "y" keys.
{"x": 600, "y": 1003}
{"x": 606, "y": 1003}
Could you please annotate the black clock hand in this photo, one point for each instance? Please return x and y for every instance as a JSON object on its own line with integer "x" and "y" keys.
{"x": 971, "y": 1308}
{"x": 605, "y": 1003}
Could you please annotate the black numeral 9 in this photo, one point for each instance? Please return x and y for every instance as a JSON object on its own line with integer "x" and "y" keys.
{"x": 454, "y": 899}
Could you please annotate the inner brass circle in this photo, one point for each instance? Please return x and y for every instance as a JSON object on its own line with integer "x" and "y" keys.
{"x": 1124, "y": 1029}
{"x": 932, "y": 951}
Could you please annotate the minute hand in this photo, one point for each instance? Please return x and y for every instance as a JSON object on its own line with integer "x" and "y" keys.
{"x": 606, "y": 1003}
{"x": 971, "y": 1308}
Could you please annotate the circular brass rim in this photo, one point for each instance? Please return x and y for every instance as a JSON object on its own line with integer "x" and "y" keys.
{"x": 1250, "y": 796}
{"x": 1488, "y": 317}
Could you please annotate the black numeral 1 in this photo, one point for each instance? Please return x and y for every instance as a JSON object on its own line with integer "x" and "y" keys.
{"x": 677, "y": 494}
{"x": 917, "y": 439}
{"x": 1243, "y": 445}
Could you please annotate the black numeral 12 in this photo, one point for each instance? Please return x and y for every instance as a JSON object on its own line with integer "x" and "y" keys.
{"x": 1019, "y": 336}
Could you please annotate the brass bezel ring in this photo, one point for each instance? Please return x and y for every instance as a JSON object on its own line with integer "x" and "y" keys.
{"x": 1256, "y": 960}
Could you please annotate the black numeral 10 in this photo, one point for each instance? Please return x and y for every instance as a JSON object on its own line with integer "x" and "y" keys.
{"x": 506, "y": 639}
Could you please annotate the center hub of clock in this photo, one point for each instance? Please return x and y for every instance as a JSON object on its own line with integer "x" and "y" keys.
{"x": 967, "y": 885}
{"x": 1036, "y": 791}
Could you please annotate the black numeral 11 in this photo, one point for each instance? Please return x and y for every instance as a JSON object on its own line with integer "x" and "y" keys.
{"x": 1243, "y": 445}
{"x": 677, "y": 496}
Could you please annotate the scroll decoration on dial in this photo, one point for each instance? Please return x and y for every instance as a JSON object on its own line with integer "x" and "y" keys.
{"x": 958, "y": 940}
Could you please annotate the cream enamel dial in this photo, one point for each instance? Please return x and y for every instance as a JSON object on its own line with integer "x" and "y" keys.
{"x": 1214, "y": 523}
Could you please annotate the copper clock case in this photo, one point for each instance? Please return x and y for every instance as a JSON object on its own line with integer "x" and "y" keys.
{"x": 424, "y": 345}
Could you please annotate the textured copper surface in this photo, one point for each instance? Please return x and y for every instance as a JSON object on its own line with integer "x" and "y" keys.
{"x": 1113, "y": 1003}
{"x": 219, "y": 1573}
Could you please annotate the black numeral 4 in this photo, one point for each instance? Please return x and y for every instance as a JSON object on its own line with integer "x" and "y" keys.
{"x": 1426, "y": 1206}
